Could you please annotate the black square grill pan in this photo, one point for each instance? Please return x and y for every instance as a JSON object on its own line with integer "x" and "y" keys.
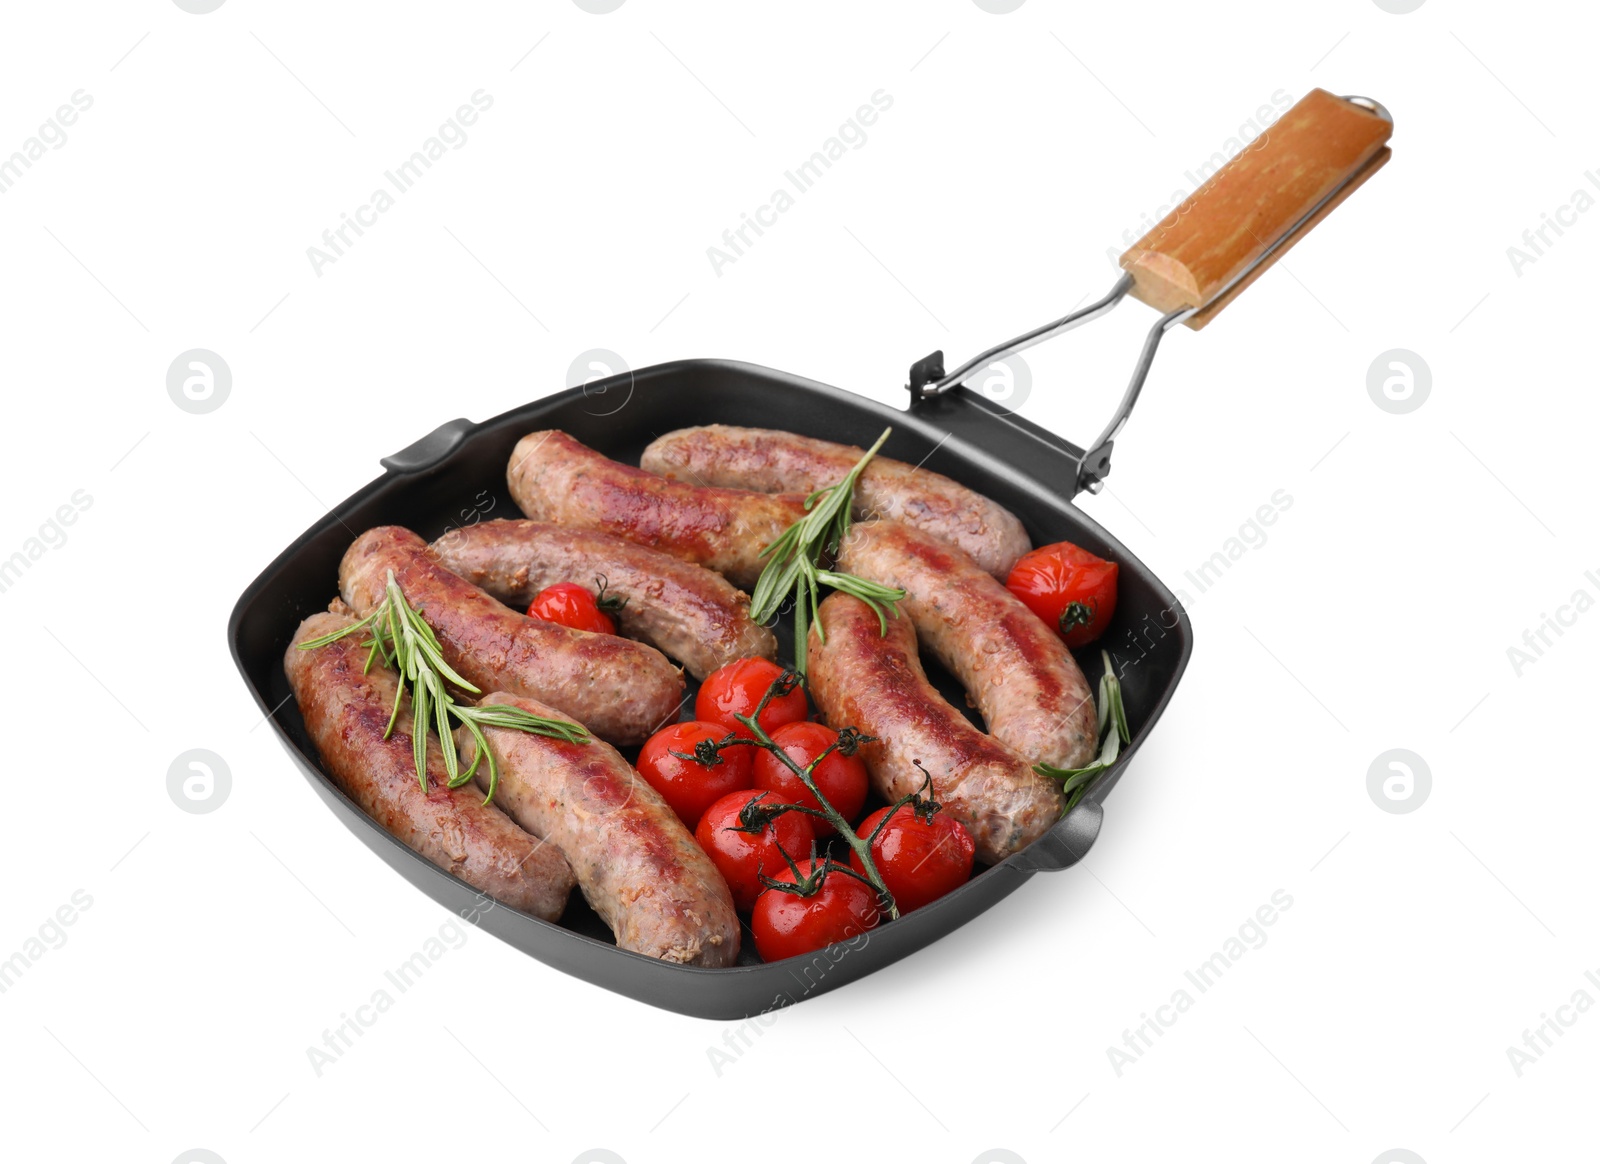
{"x": 456, "y": 475}
{"x": 1189, "y": 267}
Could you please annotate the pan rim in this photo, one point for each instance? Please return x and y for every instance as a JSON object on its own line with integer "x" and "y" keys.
{"x": 930, "y": 922}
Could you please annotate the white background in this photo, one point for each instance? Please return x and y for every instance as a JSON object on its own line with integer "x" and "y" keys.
{"x": 1418, "y": 548}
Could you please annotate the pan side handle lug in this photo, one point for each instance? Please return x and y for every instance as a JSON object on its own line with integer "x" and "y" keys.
{"x": 430, "y": 450}
{"x": 1067, "y": 843}
{"x": 929, "y": 378}
{"x": 928, "y": 370}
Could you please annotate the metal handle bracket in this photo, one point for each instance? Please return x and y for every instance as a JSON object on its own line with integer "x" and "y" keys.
{"x": 1261, "y": 178}
{"x": 928, "y": 377}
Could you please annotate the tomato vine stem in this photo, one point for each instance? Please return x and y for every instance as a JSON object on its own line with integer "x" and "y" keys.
{"x": 849, "y": 740}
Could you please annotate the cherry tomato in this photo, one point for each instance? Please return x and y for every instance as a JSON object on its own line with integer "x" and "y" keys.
{"x": 842, "y": 779}
{"x": 1069, "y": 588}
{"x": 738, "y": 688}
{"x": 919, "y": 861}
{"x": 689, "y": 786}
{"x": 740, "y": 856}
{"x": 786, "y": 924}
{"x": 572, "y": 605}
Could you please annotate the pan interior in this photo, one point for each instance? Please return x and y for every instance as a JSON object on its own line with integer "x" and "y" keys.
{"x": 619, "y": 417}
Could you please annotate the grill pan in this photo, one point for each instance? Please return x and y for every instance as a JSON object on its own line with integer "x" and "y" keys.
{"x": 456, "y": 475}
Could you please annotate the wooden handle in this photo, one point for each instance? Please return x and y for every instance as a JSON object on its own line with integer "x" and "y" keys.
{"x": 1318, "y": 152}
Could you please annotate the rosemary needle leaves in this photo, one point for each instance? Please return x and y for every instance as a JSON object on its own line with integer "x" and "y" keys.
{"x": 1113, "y": 724}
{"x": 796, "y": 556}
{"x": 405, "y": 642}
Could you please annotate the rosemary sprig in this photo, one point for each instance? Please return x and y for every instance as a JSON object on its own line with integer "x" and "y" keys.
{"x": 406, "y": 643}
{"x": 796, "y": 556}
{"x": 1111, "y": 715}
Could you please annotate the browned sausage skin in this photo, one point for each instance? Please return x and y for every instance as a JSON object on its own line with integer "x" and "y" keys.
{"x": 1018, "y": 672}
{"x": 770, "y": 461}
{"x": 875, "y": 682}
{"x": 619, "y": 689}
{"x": 554, "y": 478}
{"x": 635, "y": 862}
{"x": 346, "y": 713}
{"x": 693, "y": 614}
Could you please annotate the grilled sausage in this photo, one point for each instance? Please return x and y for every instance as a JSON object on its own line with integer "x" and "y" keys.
{"x": 635, "y": 862}
{"x": 1018, "y": 672}
{"x": 770, "y": 461}
{"x": 346, "y": 713}
{"x": 696, "y": 616}
{"x": 555, "y": 478}
{"x": 619, "y": 689}
{"x": 862, "y": 678}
